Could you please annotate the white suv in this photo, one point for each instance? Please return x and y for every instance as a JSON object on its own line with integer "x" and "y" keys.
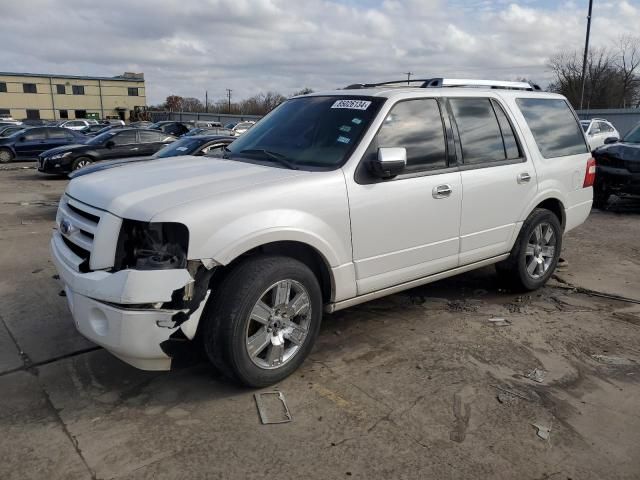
{"x": 78, "y": 124}
{"x": 331, "y": 200}
{"x": 598, "y": 130}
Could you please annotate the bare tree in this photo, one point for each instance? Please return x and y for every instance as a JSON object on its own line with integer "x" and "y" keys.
{"x": 192, "y": 104}
{"x": 173, "y": 103}
{"x": 611, "y": 79}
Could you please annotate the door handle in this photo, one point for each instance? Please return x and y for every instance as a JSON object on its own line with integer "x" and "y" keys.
{"x": 441, "y": 191}
{"x": 134, "y": 149}
{"x": 524, "y": 177}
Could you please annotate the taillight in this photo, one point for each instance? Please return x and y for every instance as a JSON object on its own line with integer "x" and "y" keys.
{"x": 590, "y": 175}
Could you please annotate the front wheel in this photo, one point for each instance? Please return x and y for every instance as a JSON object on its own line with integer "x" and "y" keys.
{"x": 80, "y": 163}
{"x": 535, "y": 254}
{"x": 6, "y": 155}
{"x": 263, "y": 320}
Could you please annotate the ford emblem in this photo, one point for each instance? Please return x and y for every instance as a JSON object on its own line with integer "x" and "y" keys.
{"x": 66, "y": 227}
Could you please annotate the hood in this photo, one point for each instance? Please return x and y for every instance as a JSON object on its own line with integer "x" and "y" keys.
{"x": 141, "y": 190}
{"x": 621, "y": 150}
{"x": 66, "y": 148}
{"x": 104, "y": 165}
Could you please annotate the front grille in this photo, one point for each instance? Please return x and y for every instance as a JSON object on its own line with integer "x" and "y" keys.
{"x": 78, "y": 224}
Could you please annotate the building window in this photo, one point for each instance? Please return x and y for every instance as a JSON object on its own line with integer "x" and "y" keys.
{"x": 60, "y": 89}
{"x": 5, "y": 112}
{"x": 33, "y": 114}
{"x": 133, "y": 91}
{"x": 81, "y": 113}
{"x": 3, "y": 87}
{"x": 64, "y": 114}
{"x": 29, "y": 88}
{"x": 78, "y": 89}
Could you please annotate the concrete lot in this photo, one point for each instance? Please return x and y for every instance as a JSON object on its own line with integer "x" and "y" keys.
{"x": 410, "y": 386}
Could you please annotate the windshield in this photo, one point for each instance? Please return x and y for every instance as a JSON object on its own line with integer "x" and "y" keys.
{"x": 633, "y": 136}
{"x": 309, "y": 131}
{"x": 100, "y": 139}
{"x": 184, "y": 146}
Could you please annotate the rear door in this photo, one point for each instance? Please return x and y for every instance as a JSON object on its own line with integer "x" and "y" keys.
{"x": 58, "y": 137}
{"x": 498, "y": 180}
{"x": 407, "y": 227}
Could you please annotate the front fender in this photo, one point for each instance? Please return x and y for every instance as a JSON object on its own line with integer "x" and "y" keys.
{"x": 251, "y": 231}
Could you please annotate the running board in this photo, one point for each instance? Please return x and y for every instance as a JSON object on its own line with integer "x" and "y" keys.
{"x": 334, "y": 307}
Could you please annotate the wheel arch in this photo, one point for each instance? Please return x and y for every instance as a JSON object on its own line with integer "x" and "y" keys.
{"x": 299, "y": 250}
{"x": 555, "y": 206}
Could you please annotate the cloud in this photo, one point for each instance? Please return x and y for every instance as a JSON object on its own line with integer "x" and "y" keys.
{"x": 253, "y": 46}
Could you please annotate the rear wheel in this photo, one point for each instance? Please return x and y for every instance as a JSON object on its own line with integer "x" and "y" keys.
{"x": 535, "y": 254}
{"x": 6, "y": 155}
{"x": 79, "y": 163}
{"x": 263, "y": 320}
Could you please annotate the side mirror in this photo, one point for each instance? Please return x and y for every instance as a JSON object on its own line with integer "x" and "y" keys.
{"x": 110, "y": 144}
{"x": 610, "y": 140}
{"x": 391, "y": 162}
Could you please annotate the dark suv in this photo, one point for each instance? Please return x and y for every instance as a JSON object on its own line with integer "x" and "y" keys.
{"x": 116, "y": 143}
{"x": 29, "y": 143}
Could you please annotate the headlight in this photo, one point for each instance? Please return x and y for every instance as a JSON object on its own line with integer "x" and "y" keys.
{"x": 151, "y": 246}
{"x": 60, "y": 155}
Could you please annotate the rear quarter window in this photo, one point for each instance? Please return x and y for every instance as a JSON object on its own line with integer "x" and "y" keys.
{"x": 554, "y": 126}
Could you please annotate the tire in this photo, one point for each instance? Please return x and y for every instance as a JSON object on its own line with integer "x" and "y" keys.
{"x": 515, "y": 271}
{"x": 248, "y": 330}
{"x": 80, "y": 162}
{"x": 6, "y": 155}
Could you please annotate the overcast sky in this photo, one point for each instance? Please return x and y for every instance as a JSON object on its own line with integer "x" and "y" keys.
{"x": 251, "y": 46}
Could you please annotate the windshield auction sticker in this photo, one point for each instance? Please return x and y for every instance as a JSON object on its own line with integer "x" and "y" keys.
{"x": 352, "y": 104}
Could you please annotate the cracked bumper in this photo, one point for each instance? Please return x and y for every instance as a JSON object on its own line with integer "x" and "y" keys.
{"x": 133, "y": 335}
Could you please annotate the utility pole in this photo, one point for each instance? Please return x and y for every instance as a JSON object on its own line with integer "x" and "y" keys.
{"x": 586, "y": 53}
{"x": 229, "y": 94}
{"x": 408, "y": 74}
{"x": 206, "y": 101}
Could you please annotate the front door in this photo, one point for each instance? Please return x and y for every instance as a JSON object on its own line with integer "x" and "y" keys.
{"x": 406, "y": 227}
{"x": 125, "y": 144}
{"x": 31, "y": 143}
{"x": 498, "y": 180}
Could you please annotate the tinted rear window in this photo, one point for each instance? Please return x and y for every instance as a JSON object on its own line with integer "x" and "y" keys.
{"x": 553, "y": 126}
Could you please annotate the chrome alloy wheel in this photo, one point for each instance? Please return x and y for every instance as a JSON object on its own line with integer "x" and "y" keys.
{"x": 278, "y": 324}
{"x": 541, "y": 250}
{"x": 82, "y": 163}
{"x": 5, "y": 156}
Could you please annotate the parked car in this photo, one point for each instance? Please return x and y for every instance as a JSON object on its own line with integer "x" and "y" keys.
{"x": 116, "y": 143}
{"x": 208, "y": 131}
{"x": 204, "y": 124}
{"x": 173, "y": 128}
{"x": 618, "y": 167}
{"x": 331, "y": 200}
{"x": 78, "y": 124}
{"x": 597, "y": 130}
{"x": 7, "y": 130}
{"x": 230, "y": 125}
{"x": 207, "y": 145}
{"x": 112, "y": 121}
{"x": 6, "y": 118}
{"x": 92, "y": 130}
{"x": 30, "y": 142}
{"x": 242, "y": 127}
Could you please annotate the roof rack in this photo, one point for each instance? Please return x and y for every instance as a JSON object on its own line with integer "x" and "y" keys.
{"x": 450, "y": 82}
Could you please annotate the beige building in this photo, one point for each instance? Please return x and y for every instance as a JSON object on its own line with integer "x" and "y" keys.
{"x": 55, "y": 97}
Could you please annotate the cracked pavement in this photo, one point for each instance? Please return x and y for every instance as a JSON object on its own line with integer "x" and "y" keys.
{"x": 415, "y": 385}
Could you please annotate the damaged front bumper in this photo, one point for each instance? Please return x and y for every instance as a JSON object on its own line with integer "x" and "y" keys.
{"x": 116, "y": 310}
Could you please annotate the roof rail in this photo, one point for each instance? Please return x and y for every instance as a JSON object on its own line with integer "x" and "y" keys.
{"x": 450, "y": 82}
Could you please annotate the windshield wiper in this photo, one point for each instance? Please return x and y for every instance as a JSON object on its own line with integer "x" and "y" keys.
{"x": 278, "y": 157}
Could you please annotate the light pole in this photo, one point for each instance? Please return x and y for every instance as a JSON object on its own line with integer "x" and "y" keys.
{"x": 229, "y": 94}
{"x": 586, "y": 54}
{"x": 408, "y": 76}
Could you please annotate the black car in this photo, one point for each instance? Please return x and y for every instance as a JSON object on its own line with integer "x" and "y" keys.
{"x": 208, "y": 145}
{"x": 617, "y": 167}
{"x": 176, "y": 129}
{"x": 30, "y": 142}
{"x": 199, "y": 131}
{"x": 115, "y": 143}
